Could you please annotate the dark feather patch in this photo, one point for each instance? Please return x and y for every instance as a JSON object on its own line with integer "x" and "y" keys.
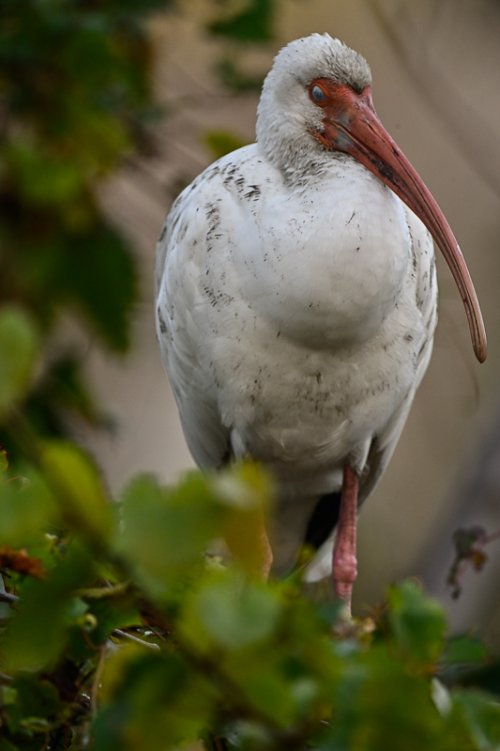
{"x": 323, "y": 520}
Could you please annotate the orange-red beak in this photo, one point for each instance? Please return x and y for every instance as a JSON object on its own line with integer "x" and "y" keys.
{"x": 351, "y": 125}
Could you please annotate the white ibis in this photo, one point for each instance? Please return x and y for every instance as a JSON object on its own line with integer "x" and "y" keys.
{"x": 296, "y": 300}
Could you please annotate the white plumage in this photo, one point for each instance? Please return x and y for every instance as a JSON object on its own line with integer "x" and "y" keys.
{"x": 296, "y": 298}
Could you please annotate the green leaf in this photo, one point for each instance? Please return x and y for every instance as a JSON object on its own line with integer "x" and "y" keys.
{"x": 267, "y": 689}
{"x": 245, "y": 492}
{"x": 79, "y": 489}
{"x": 380, "y": 706}
{"x": 37, "y": 700}
{"x": 233, "y": 76}
{"x": 18, "y": 349}
{"x": 27, "y": 509}
{"x": 44, "y": 178}
{"x": 481, "y": 717}
{"x": 222, "y": 142}
{"x": 164, "y": 532}
{"x": 464, "y": 650}
{"x": 417, "y": 623}
{"x": 252, "y": 24}
{"x": 231, "y": 613}
{"x": 100, "y": 275}
{"x": 35, "y": 634}
{"x": 118, "y": 613}
{"x": 6, "y": 745}
{"x": 153, "y": 702}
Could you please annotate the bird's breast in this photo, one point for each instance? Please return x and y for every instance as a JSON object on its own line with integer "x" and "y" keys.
{"x": 293, "y": 312}
{"x": 326, "y": 262}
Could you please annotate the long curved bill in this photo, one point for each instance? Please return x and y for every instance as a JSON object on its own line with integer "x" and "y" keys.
{"x": 360, "y": 133}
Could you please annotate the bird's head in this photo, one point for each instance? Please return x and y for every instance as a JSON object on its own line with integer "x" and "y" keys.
{"x": 288, "y": 114}
{"x": 317, "y": 100}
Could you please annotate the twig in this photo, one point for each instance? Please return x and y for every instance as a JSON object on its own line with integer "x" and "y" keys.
{"x": 490, "y": 538}
{"x": 94, "y": 689}
{"x": 98, "y": 593}
{"x": 126, "y": 635}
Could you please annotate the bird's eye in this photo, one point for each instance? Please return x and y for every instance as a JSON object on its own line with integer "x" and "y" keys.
{"x": 317, "y": 94}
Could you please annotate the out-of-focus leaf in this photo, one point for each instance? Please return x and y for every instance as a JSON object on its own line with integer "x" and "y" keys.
{"x": 48, "y": 605}
{"x": 27, "y": 509}
{"x": 379, "y": 706}
{"x": 481, "y": 717}
{"x": 464, "y": 650}
{"x": 78, "y": 487}
{"x": 267, "y": 690}
{"x": 417, "y": 623}
{"x": 246, "y": 491}
{"x": 6, "y": 745}
{"x": 100, "y": 275}
{"x": 18, "y": 347}
{"x": 61, "y": 391}
{"x": 252, "y": 24}
{"x": 243, "y": 486}
{"x": 117, "y": 613}
{"x": 230, "y": 613}
{"x": 221, "y": 142}
{"x": 43, "y": 178}
{"x": 165, "y": 704}
{"x": 235, "y": 78}
{"x": 37, "y": 701}
{"x": 164, "y": 532}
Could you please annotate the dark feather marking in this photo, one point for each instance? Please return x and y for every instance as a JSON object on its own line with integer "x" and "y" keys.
{"x": 161, "y": 322}
{"x": 323, "y": 520}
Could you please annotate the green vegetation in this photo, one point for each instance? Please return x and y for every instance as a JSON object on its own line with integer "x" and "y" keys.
{"x": 125, "y": 634}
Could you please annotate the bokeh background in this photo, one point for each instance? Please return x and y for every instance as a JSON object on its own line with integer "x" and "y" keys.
{"x": 436, "y": 70}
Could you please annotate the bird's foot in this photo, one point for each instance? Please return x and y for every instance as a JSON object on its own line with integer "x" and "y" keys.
{"x": 344, "y": 562}
{"x": 345, "y": 570}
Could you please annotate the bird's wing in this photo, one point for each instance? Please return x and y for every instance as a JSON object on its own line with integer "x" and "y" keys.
{"x": 383, "y": 445}
{"x": 425, "y": 290}
{"x": 190, "y": 315}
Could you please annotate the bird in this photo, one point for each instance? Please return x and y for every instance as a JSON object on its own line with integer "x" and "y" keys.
{"x": 296, "y": 302}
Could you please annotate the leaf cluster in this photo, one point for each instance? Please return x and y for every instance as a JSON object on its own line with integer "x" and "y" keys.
{"x": 75, "y": 101}
{"x": 119, "y": 633}
{"x": 240, "y": 26}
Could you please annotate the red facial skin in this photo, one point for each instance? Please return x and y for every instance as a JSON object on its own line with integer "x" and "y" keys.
{"x": 351, "y": 125}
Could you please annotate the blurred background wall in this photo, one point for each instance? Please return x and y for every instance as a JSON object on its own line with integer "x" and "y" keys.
{"x": 436, "y": 70}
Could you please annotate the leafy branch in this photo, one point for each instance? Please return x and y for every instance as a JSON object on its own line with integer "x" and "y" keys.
{"x": 469, "y": 553}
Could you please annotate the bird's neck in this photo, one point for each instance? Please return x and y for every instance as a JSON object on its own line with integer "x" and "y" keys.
{"x": 290, "y": 148}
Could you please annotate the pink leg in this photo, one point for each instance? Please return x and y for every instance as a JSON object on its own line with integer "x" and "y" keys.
{"x": 344, "y": 564}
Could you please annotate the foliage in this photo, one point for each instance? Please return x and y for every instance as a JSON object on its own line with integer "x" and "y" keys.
{"x": 239, "y": 26}
{"x": 75, "y": 100}
{"x": 222, "y": 142}
{"x": 252, "y": 23}
{"x": 124, "y": 634}
{"x": 469, "y": 551}
{"x": 117, "y": 632}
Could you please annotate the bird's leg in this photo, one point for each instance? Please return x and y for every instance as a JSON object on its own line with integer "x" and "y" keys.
{"x": 344, "y": 564}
